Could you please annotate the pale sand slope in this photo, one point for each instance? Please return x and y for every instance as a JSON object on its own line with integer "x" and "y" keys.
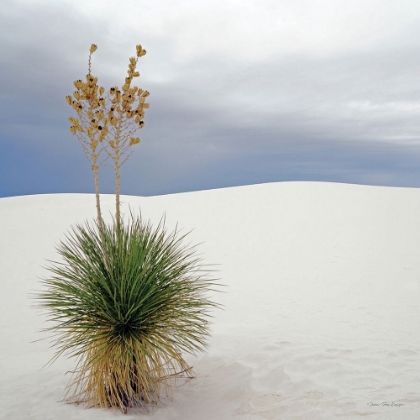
{"x": 321, "y": 310}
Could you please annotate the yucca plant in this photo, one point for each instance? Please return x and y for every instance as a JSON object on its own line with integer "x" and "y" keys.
{"x": 127, "y": 300}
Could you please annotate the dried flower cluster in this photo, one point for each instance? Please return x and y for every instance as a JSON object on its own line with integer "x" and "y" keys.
{"x": 108, "y": 121}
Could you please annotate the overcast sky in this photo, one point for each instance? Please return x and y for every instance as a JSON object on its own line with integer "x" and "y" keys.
{"x": 242, "y": 91}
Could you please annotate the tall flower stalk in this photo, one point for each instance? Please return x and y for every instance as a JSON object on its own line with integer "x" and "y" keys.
{"x": 108, "y": 122}
{"x": 89, "y": 104}
{"x": 125, "y": 116}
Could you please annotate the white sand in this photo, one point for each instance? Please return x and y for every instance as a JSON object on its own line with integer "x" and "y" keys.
{"x": 321, "y": 310}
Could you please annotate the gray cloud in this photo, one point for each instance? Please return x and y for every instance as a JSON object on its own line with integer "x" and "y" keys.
{"x": 218, "y": 116}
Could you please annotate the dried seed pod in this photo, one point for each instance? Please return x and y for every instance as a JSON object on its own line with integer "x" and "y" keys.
{"x": 99, "y": 114}
{"x": 91, "y": 80}
{"x": 140, "y": 51}
{"x": 77, "y": 106}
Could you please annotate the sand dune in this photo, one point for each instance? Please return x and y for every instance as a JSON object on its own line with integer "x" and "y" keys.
{"x": 321, "y": 302}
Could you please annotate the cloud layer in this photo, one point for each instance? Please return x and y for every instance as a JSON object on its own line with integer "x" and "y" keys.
{"x": 242, "y": 92}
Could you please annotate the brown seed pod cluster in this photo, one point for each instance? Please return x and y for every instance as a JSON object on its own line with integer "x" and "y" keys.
{"x": 126, "y": 107}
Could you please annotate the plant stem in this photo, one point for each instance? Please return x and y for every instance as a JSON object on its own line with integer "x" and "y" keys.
{"x": 98, "y": 202}
{"x": 117, "y": 173}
